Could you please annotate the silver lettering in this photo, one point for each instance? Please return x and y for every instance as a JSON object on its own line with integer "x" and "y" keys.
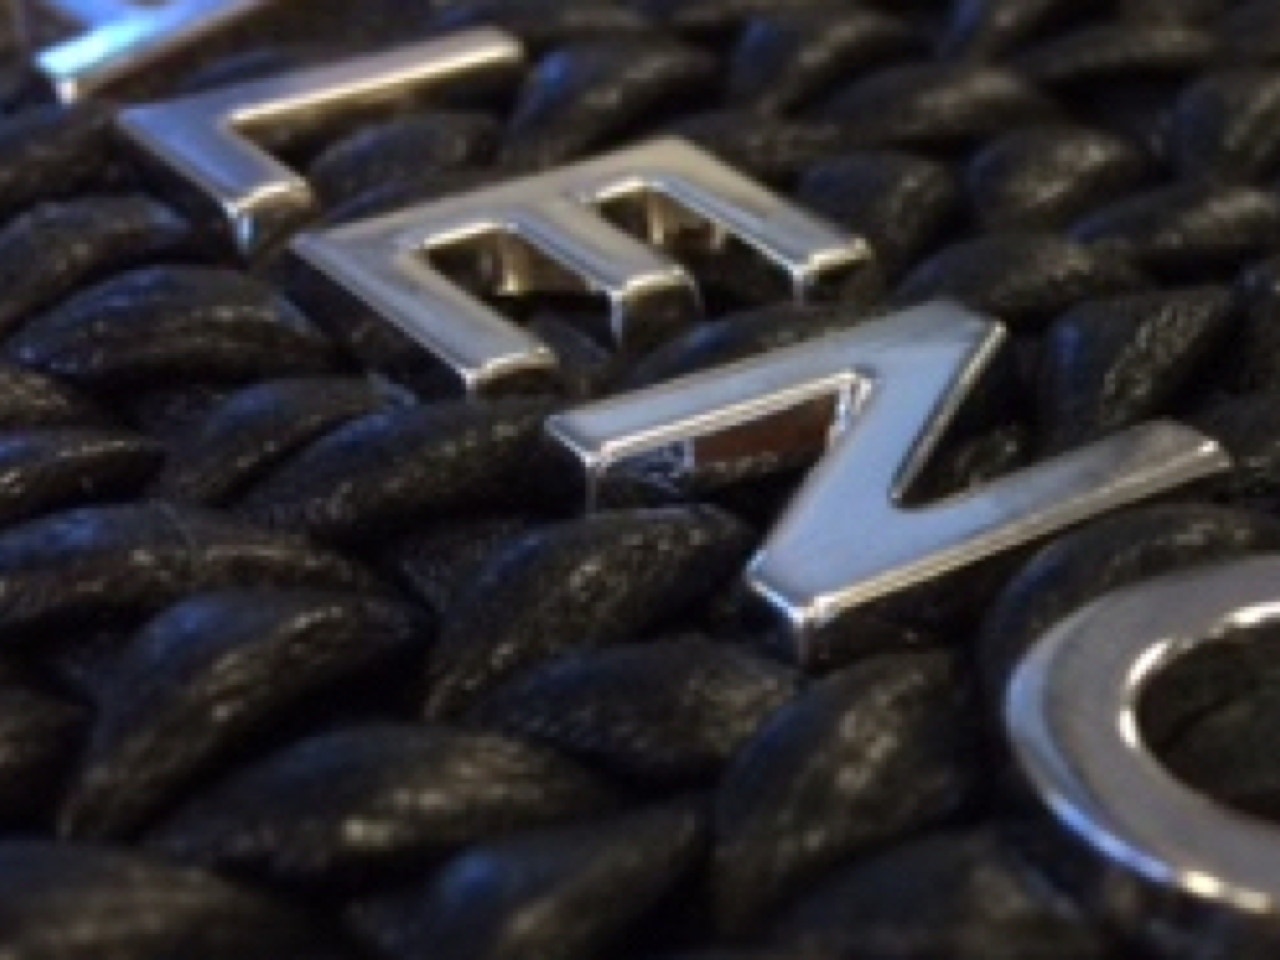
{"x": 1170, "y": 857}
{"x": 885, "y": 393}
{"x": 549, "y": 234}
{"x": 205, "y": 143}
{"x": 112, "y": 40}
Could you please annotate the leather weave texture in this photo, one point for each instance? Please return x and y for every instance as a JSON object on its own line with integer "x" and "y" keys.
{"x": 299, "y": 660}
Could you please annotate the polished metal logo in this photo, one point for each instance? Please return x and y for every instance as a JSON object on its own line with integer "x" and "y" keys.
{"x": 100, "y": 43}
{"x": 866, "y": 407}
{"x": 882, "y": 394}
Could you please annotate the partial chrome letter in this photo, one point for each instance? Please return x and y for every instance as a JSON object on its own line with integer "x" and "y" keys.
{"x": 204, "y": 143}
{"x": 1188, "y": 868}
{"x": 113, "y": 40}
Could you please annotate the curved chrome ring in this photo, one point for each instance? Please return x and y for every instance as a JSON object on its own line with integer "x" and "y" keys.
{"x": 1071, "y": 713}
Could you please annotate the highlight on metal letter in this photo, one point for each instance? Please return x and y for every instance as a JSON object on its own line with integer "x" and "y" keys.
{"x": 551, "y": 234}
{"x": 1167, "y": 854}
{"x": 108, "y": 41}
{"x": 886, "y": 390}
{"x": 204, "y": 144}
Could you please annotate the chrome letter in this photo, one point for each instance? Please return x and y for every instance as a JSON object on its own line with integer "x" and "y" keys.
{"x": 1188, "y": 866}
{"x": 203, "y": 143}
{"x": 890, "y": 389}
{"x": 545, "y": 234}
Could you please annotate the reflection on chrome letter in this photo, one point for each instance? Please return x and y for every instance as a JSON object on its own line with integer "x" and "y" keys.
{"x": 1188, "y": 869}
{"x": 889, "y": 390}
{"x": 551, "y": 234}
{"x": 203, "y": 145}
{"x": 112, "y": 40}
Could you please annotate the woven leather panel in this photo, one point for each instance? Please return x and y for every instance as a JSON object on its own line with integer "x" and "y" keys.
{"x": 299, "y": 662}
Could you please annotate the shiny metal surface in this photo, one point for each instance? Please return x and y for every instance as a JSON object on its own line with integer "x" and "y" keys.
{"x": 204, "y": 145}
{"x": 550, "y": 234}
{"x": 1208, "y": 873}
{"x": 111, "y": 40}
{"x": 890, "y": 388}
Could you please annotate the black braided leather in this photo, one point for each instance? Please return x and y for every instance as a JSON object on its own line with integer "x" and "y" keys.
{"x": 300, "y": 660}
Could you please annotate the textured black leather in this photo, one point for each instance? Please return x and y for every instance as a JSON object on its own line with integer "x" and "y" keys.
{"x": 300, "y": 659}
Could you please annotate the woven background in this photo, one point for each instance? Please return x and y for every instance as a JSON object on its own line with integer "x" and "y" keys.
{"x": 296, "y": 662}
